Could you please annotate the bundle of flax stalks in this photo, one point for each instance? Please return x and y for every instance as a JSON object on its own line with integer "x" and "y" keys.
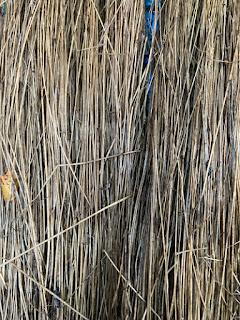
{"x": 119, "y": 214}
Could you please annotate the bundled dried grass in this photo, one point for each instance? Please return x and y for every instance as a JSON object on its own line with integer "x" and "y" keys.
{"x": 73, "y": 128}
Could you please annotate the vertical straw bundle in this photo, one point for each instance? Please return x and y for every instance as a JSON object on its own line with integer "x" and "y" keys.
{"x": 119, "y": 216}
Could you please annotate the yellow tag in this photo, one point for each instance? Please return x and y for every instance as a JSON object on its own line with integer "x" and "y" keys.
{"x": 9, "y": 187}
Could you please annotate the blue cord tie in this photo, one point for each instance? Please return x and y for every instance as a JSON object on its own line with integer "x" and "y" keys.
{"x": 150, "y": 21}
{"x": 4, "y": 9}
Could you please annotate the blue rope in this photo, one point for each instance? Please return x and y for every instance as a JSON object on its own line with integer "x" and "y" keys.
{"x": 4, "y": 9}
{"x": 150, "y": 21}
